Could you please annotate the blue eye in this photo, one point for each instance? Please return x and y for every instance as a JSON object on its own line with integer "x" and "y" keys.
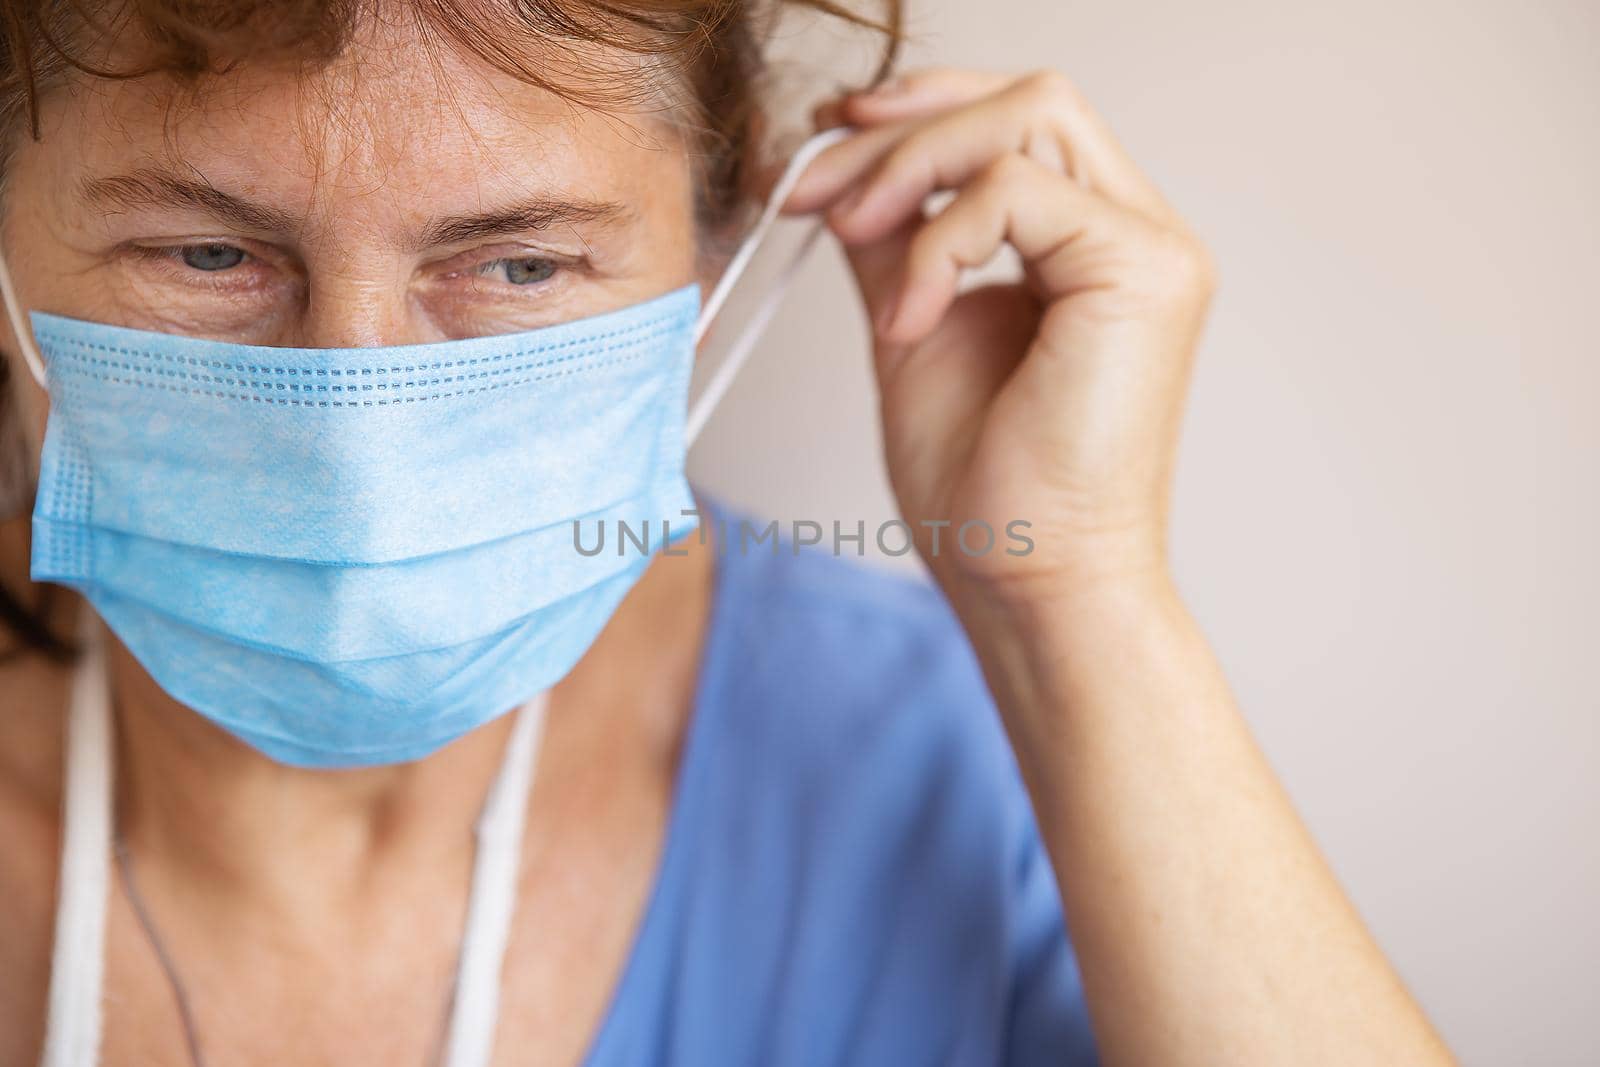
{"x": 526, "y": 271}
{"x": 212, "y": 257}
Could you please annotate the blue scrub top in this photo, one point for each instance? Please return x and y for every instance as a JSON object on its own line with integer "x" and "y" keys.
{"x": 851, "y": 874}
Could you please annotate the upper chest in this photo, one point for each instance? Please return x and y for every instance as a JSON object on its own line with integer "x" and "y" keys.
{"x": 377, "y": 991}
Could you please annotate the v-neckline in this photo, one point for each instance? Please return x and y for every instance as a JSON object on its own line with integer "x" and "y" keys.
{"x": 676, "y": 846}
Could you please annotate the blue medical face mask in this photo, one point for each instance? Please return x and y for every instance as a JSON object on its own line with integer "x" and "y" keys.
{"x": 350, "y": 557}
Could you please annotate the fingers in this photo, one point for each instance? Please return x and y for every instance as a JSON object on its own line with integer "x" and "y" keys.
{"x": 919, "y": 93}
{"x": 1070, "y": 240}
{"x": 884, "y": 113}
{"x": 936, "y": 130}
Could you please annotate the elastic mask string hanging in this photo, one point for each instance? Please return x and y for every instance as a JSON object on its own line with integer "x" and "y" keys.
{"x": 19, "y": 325}
{"x": 744, "y": 342}
{"x": 77, "y": 968}
{"x": 492, "y": 900}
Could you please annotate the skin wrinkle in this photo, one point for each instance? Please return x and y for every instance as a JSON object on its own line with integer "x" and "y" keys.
{"x": 645, "y": 75}
{"x": 336, "y": 245}
{"x": 345, "y": 141}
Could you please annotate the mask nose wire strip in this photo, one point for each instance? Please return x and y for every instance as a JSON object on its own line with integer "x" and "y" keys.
{"x": 77, "y": 964}
{"x": 19, "y": 325}
{"x": 745, "y": 342}
{"x": 496, "y": 865}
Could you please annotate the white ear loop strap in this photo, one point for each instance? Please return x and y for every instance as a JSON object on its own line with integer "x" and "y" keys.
{"x": 77, "y": 965}
{"x": 496, "y": 867}
{"x": 19, "y": 325}
{"x": 744, "y": 344}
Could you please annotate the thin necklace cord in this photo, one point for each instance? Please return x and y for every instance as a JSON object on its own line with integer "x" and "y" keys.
{"x": 467, "y": 1036}
{"x": 191, "y": 1035}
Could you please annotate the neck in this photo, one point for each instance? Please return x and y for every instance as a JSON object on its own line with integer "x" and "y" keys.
{"x": 220, "y": 815}
{"x": 212, "y": 810}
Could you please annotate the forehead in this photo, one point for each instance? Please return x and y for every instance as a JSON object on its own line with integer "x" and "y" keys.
{"x": 397, "y": 119}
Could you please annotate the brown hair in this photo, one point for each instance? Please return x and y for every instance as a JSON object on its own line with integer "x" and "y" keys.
{"x": 714, "y": 49}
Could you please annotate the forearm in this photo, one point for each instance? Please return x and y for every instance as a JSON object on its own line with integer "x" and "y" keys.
{"x": 1208, "y": 926}
{"x": 1209, "y": 929}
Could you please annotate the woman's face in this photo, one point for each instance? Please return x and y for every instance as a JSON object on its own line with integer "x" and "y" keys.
{"x": 402, "y": 195}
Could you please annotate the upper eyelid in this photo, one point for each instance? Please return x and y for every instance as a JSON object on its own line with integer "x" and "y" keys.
{"x": 556, "y": 261}
{"x": 172, "y": 251}
{"x": 483, "y": 259}
{"x": 168, "y": 247}
{"x": 251, "y": 273}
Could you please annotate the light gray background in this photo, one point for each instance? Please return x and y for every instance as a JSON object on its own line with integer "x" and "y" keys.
{"x": 1387, "y": 508}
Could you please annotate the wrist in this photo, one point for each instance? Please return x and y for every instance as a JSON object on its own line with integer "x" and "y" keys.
{"x": 1065, "y": 612}
{"x": 1043, "y": 638}
{"x": 1056, "y": 582}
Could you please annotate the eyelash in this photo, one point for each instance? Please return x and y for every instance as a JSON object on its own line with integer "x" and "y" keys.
{"x": 544, "y": 263}
{"x": 170, "y": 257}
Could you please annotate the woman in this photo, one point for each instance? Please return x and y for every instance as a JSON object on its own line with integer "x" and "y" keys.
{"x": 324, "y": 316}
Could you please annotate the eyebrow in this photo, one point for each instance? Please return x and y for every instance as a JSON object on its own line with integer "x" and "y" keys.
{"x": 155, "y": 188}
{"x": 539, "y": 213}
